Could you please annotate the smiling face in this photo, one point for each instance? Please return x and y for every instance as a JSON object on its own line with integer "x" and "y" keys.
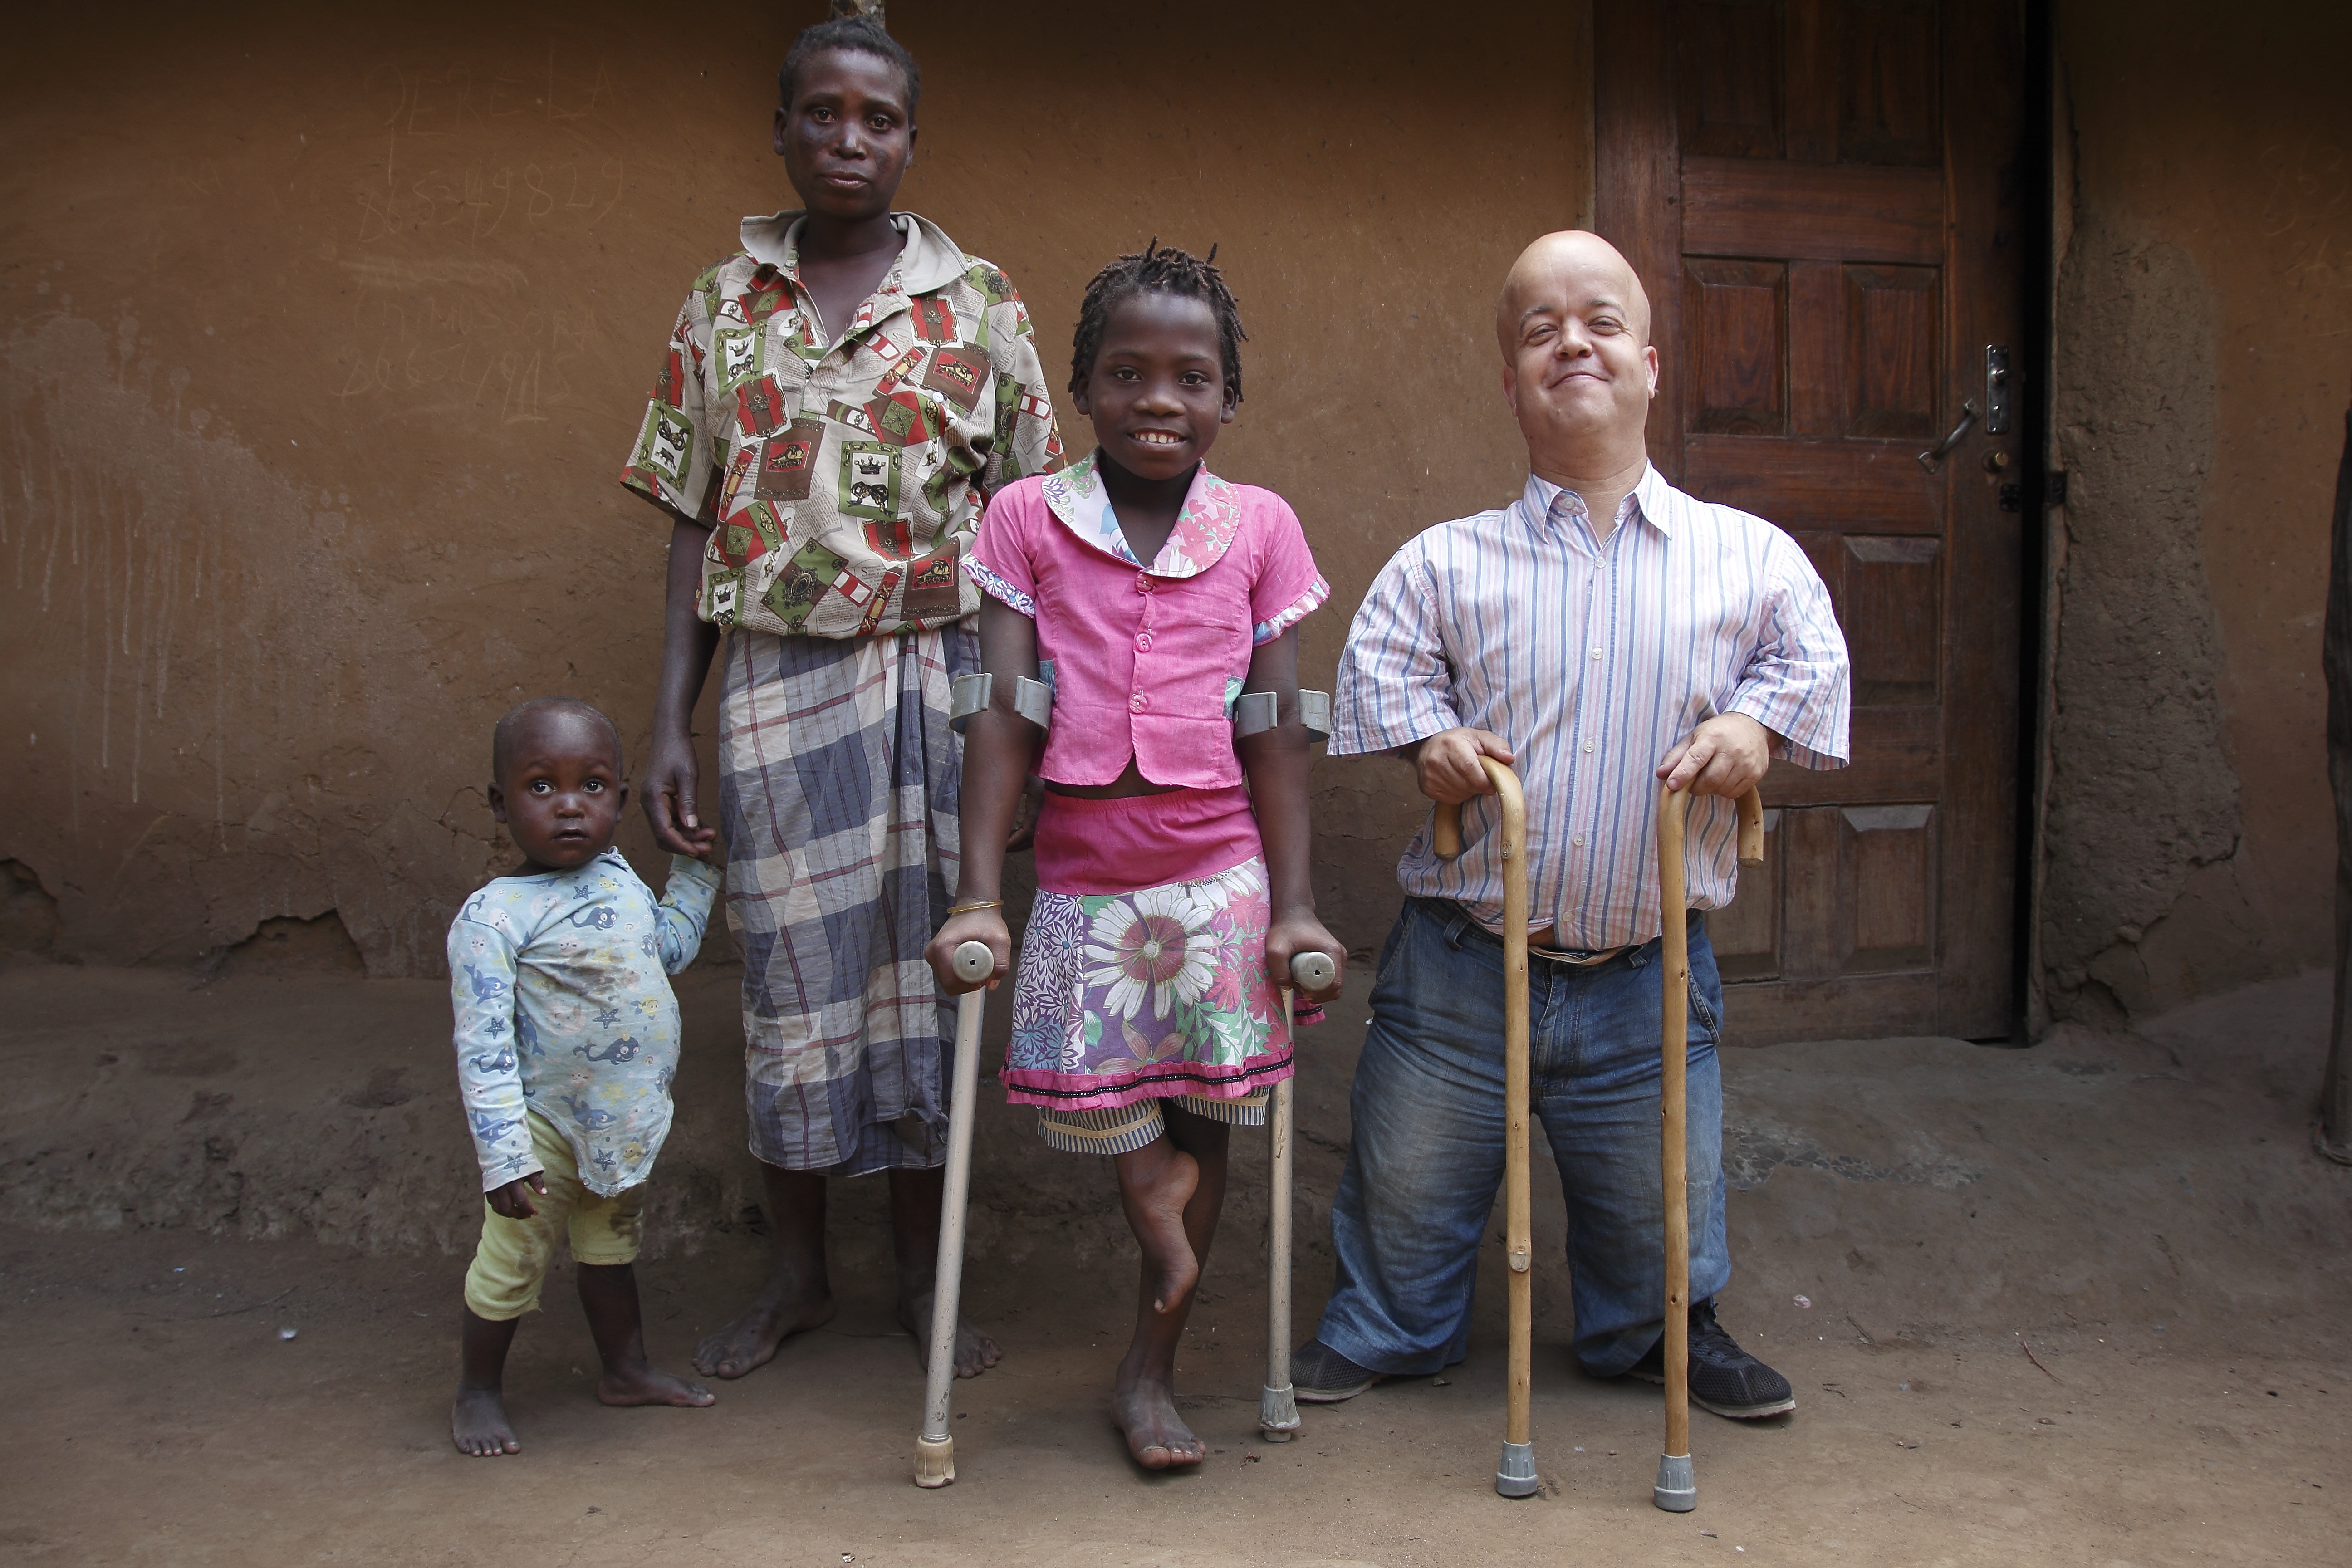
{"x": 1157, "y": 391}
{"x": 1577, "y": 368}
{"x": 848, "y": 136}
{"x": 558, "y": 790}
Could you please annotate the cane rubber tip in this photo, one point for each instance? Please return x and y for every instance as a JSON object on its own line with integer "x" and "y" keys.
{"x": 1277, "y": 1414}
{"x": 1677, "y": 1487}
{"x": 934, "y": 1461}
{"x": 1516, "y": 1477}
{"x": 974, "y": 963}
{"x": 1313, "y": 971}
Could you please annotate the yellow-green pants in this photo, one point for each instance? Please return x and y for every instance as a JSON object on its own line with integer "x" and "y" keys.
{"x": 511, "y": 1262}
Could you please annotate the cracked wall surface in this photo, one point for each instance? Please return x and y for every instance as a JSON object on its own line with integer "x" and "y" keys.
{"x": 323, "y": 334}
{"x": 2202, "y": 319}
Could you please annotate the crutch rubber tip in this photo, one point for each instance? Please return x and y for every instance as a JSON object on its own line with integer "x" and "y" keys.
{"x": 934, "y": 1461}
{"x": 974, "y": 963}
{"x": 1677, "y": 1488}
{"x": 1517, "y": 1475}
{"x": 1277, "y": 1414}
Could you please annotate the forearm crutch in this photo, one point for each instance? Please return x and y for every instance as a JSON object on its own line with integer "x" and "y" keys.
{"x": 1277, "y": 1406}
{"x": 1677, "y": 1487}
{"x": 1516, "y": 1477}
{"x": 934, "y": 1448}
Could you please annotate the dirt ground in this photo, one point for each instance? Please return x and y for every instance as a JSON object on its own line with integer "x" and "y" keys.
{"x": 2077, "y": 1304}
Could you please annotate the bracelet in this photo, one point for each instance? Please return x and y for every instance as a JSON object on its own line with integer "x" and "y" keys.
{"x": 981, "y": 904}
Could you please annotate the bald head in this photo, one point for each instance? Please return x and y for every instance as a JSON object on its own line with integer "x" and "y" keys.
{"x": 1569, "y": 269}
{"x": 1577, "y": 368}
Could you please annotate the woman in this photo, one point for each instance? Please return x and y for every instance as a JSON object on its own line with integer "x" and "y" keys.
{"x": 839, "y": 400}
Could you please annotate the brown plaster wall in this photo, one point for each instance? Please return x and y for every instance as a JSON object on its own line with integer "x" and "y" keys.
{"x": 323, "y": 332}
{"x": 2203, "y": 337}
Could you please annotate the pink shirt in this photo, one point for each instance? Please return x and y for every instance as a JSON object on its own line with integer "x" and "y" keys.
{"x": 1145, "y": 662}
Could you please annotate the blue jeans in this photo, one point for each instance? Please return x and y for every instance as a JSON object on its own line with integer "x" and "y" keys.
{"x": 1427, "y": 1154}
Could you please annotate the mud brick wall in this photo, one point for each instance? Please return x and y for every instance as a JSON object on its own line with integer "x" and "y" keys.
{"x": 325, "y": 332}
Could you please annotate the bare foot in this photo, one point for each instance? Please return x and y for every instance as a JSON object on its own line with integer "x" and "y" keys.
{"x": 1155, "y": 1194}
{"x": 1144, "y": 1409}
{"x": 477, "y": 1424}
{"x": 975, "y": 1353}
{"x": 785, "y": 1307}
{"x": 641, "y": 1384}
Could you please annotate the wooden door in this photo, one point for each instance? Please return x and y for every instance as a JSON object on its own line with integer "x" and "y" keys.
{"x": 1821, "y": 197}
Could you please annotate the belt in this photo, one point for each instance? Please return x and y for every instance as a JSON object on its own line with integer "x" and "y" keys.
{"x": 1566, "y": 958}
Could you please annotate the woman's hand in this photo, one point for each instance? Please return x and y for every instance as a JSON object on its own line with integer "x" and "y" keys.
{"x": 981, "y": 925}
{"x": 672, "y": 776}
{"x": 1295, "y": 932}
{"x": 513, "y": 1200}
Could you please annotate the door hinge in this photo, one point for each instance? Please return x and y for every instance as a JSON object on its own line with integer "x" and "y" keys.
{"x": 2053, "y": 488}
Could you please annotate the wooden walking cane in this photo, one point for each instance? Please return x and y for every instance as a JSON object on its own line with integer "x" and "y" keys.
{"x": 934, "y": 1448}
{"x": 1277, "y": 1404}
{"x": 1516, "y": 1477}
{"x": 1677, "y": 1486}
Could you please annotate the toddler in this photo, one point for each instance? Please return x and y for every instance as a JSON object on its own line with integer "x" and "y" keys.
{"x": 567, "y": 1041}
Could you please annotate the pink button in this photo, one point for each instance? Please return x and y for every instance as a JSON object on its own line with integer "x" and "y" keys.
{"x": 1139, "y": 701}
{"x": 1143, "y": 642}
{"x": 1143, "y": 582}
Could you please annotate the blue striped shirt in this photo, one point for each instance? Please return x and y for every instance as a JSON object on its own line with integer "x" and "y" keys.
{"x": 1591, "y": 658}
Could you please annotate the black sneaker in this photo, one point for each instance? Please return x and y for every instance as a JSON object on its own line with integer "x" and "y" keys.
{"x": 1321, "y": 1375}
{"x": 1723, "y": 1377}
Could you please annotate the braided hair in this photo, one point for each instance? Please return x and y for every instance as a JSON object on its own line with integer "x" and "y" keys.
{"x": 1157, "y": 269}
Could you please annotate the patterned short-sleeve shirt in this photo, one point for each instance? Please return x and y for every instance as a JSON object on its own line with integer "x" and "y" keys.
{"x": 843, "y": 467}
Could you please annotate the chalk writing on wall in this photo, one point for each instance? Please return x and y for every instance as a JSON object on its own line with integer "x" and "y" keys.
{"x": 457, "y": 311}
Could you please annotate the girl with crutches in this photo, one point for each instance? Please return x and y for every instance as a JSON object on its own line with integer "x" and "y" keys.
{"x": 1155, "y": 600}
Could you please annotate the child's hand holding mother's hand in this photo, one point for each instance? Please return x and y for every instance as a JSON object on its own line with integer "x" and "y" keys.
{"x": 513, "y": 1200}
{"x": 977, "y": 925}
{"x": 1289, "y": 935}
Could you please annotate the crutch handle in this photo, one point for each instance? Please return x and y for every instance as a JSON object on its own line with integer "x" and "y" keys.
{"x": 974, "y": 963}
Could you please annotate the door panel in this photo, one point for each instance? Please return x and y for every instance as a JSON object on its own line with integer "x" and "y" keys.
{"x": 1819, "y": 196}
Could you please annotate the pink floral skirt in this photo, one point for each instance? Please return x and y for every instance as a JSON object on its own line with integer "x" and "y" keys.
{"x": 1161, "y": 991}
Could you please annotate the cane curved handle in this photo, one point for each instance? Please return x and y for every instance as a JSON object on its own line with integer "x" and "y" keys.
{"x": 1445, "y": 828}
{"x": 1673, "y": 807}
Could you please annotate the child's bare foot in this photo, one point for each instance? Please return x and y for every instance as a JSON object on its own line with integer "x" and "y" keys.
{"x": 975, "y": 1353}
{"x": 1144, "y": 1409}
{"x": 477, "y": 1424}
{"x": 1157, "y": 1180}
{"x": 785, "y": 1307}
{"x": 641, "y": 1384}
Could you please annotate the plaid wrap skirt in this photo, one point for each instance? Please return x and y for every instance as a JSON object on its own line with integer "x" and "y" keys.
{"x": 839, "y": 790}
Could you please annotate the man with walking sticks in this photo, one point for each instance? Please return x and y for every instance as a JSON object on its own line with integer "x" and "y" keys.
{"x": 1603, "y": 633}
